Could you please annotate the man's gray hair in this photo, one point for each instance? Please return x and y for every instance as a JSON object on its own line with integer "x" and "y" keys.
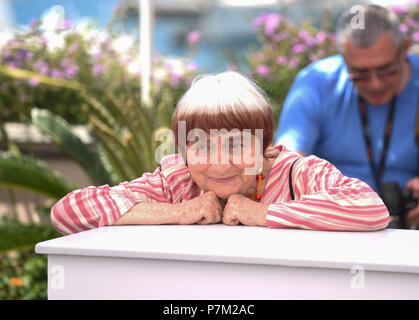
{"x": 375, "y": 21}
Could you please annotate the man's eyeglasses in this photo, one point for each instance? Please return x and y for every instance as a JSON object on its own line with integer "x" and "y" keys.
{"x": 383, "y": 72}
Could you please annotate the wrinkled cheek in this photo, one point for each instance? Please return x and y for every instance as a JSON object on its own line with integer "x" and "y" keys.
{"x": 198, "y": 176}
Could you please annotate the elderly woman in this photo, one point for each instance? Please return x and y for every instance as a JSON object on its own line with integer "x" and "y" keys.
{"x": 227, "y": 172}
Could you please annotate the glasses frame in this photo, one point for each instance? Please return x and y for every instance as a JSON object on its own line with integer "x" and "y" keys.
{"x": 389, "y": 71}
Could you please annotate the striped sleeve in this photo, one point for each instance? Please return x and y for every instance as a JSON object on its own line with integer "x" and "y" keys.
{"x": 325, "y": 199}
{"x": 94, "y": 207}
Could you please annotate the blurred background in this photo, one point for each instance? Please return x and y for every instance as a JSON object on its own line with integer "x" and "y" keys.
{"x": 81, "y": 102}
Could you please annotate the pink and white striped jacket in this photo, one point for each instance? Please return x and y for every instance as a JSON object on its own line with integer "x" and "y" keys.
{"x": 325, "y": 199}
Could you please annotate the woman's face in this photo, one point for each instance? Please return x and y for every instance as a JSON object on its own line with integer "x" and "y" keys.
{"x": 225, "y": 163}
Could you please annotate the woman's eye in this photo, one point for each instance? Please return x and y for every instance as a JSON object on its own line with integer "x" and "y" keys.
{"x": 200, "y": 147}
{"x": 235, "y": 147}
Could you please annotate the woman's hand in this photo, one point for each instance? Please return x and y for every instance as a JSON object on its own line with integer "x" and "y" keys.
{"x": 240, "y": 209}
{"x": 205, "y": 209}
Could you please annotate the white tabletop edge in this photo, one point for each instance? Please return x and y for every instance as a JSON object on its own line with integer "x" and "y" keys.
{"x": 240, "y": 260}
{"x": 63, "y": 246}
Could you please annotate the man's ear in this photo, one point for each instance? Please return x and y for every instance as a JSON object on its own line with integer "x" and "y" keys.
{"x": 406, "y": 46}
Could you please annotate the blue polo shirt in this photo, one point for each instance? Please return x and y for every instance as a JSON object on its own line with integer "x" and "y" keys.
{"x": 321, "y": 116}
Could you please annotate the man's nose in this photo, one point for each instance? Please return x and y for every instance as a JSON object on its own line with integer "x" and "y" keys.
{"x": 375, "y": 81}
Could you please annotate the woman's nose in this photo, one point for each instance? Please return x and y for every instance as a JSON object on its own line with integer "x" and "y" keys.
{"x": 220, "y": 170}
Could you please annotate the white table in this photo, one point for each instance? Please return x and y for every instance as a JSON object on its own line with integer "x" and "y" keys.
{"x": 222, "y": 262}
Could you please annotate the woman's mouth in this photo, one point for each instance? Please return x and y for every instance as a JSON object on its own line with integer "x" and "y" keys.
{"x": 223, "y": 180}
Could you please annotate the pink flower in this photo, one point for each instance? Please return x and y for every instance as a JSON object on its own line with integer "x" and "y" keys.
{"x": 55, "y": 73}
{"x": 280, "y": 36}
{"x": 97, "y": 55}
{"x": 282, "y": 60}
{"x": 71, "y": 72}
{"x": 298, "y": 48}
{"x": 6, "y": 53}
{"x": 42, "y": 67}
{"x": 415, "y": 36}
{"x": 43, "y": 39}
{"x": 263, "y": 70}
{"x": 307, "y": 38}
{"x": 258, "y": 56}
{"x": 400, "y": 9}
{"x": 192, "y": 66}
{"x": 272, "y": 21}
{"x": 73, "y": 48}
{"x": 34, "y": 23}
{"x": 193, "y": 37}
{"x": 293, "y": 62}
{"x": 313, "y": 57}
{"x": 258, "y": 21}
{"x": 403, "y": 28}
{"x": 14, "y": 65}
{"x": 98, "y": 69}
{"x": 125, "y": 61}
{"x": 175, "y": 79}
{"x": 66, "y": 62}
{"x": 67, "y": 24}
{"x": 320, "y": 37}
{"x": 412, "y": 22}
{"x": 33, "y": 82}
{"x": 117, "y": 6}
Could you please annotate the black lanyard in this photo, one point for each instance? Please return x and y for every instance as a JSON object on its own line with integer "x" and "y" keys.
{"x": 377, "y": 173}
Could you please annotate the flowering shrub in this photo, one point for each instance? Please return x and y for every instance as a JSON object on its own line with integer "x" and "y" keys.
{"x": 286, "y": 48}
{"x": 23, "y": 274}
{"x": 97, "y": 58}
{"x": 23, "y": 277}
{"x": 409, "y": 23}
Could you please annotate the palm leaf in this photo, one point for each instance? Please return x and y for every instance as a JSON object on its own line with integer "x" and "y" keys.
{"x": 28, "y": 75}
{"x": 60, "y": 132}
{"x": 114, "y": 148}
{"x": 21, "y": 237}
{"x": 28, "y": 173}
{"x": 125, "y": 128}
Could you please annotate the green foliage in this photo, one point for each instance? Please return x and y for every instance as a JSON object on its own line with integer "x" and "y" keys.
{"x": 60, "y": 132}
{"x": 23, "y": 273}
{"x": 284, "y": 50}
{"x": 28, "y": 173}
{"x": 409, "y": 21}
{"x": 22, "y": 237}
{"x": 23, "y": 277}
{"x": 95, "y": 73}
{"x": 101, "y": 59}
{"x": 124, "y": 128}
{"x": 33, "y": 51}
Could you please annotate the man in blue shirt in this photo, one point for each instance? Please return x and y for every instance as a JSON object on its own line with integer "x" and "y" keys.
{"x": 339, "y": 108}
